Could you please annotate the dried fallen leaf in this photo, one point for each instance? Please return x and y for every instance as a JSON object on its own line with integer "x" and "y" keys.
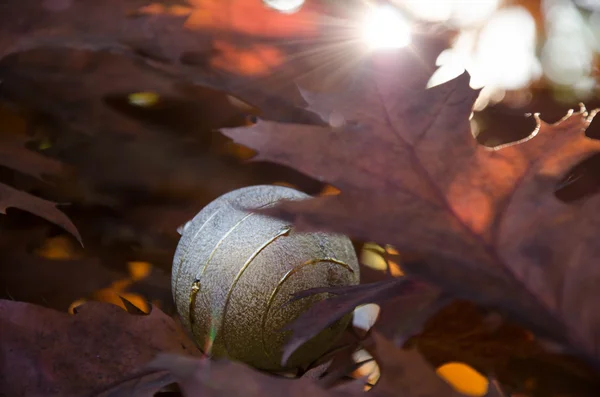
{"x": 462, "y": 332}
{"x": 75, "y": 85}
{"x": 11, "y": 197}
{"x": 405, "y": 373}
{"x": 144, "y": 385}
{"x": 485, "y": 221}
{"x": 99, "y": 349}
{"x": 155, "y": 49}
{"x": 14, "y": 155}
{"x": 345, "y": 299}
{"x": 225, "y": 378}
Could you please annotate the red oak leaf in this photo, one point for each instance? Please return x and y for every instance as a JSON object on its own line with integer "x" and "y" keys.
{"x": 101, "y": 350}
{"x": 484, "y": 221}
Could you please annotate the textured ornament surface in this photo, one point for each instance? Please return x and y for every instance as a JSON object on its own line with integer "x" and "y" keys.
{"x": 233, "y": 271}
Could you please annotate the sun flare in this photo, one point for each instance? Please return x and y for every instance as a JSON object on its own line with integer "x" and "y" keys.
{"x": 384, "y": 27}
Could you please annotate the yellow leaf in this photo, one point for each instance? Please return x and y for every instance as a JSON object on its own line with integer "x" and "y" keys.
{"x": 139, "y": 270}
{"x": 285, "y": 184}
{"x": 57, "y": 248}
{"x": 143, "y": 99}
{"x": 369, "y": 369}
{"x": 75, "y": 304}
{"x": 395, "y": 269}
{"x": 391, "y": 250}
{"x": 137, "y": 301}
{"x": 329, "y": 190}
{"x": 373, "y": 259}
{"x": 464, "y": 379}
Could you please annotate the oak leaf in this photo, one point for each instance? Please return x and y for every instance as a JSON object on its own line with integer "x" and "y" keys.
{"x": 11, "y": 197}
{"x": 155, "y": 41}
{"x": 484, "y": 221}
{"x": 404, "y": 373}
{"x": 101, "y": 350}
{"x": 15, "y": 155}
{"x": 415, "y": 296}
{"x": 201, "y": 377}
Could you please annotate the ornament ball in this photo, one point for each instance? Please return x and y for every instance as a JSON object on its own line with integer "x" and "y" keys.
{"x": 234, "y": 271}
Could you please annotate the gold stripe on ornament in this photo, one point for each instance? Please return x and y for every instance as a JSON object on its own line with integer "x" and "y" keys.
{"x": 286, "y": 276}
{"x": 229, "y": 232}
{"x": 186, "y": 249}
{"x": 193, "y": 294}
{"x": 221, "y": 240}
{"x": 282, "y": 232}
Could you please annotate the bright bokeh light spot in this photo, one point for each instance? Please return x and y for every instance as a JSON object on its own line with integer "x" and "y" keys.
{"x": 139, "y": 270}
{"x": 329, "y": 190}
{"x": 457, "y": 12}
{"x": 285, "y": 6}
{"x": 594, "y": 23}
{"x": 395, "y": 269}
{"x": 75, "y": 305}
{"x": 372, "y": 255}
{"x": 434, "y": 11}
{"x": 58, "y": 248}
{"x": 500, "y": 56}
{"x": 566, "y": 61}
{"x": 568, "y": 54}
{"x": 365, "y": 316}
{"x": 453, "y": 61}
{"x": 506, "y": 50}
{"x": 136, "y": 300}
{"x": 143, "y": 99}
{"x": 592, "y": 5}
{"x": 369, "y": 369}
{"x": 391, "y": 250}
{"x": 372, "y": 258}
{"x": 385, "y": 28}
{"x": 253, "y": 60}
{"x": 464, "y": 379}
{"x": 472, "y": 13}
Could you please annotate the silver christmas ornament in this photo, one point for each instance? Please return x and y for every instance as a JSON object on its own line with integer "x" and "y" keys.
{"x": 234, "y": 271}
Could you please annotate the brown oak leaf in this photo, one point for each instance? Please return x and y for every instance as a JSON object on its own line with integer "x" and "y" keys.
{"x": 101, "y": 350}
{"x": 404, "y": 373}
{"x": 164, "y": 45}
{"x": 14, "y": 155}
{"x": 201, "y": 377}
{"x": 484, "y": 221}
{"x": 415, "y": 297}
{"x": 11, "y": 197}
{"x": 462, "y": 332}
